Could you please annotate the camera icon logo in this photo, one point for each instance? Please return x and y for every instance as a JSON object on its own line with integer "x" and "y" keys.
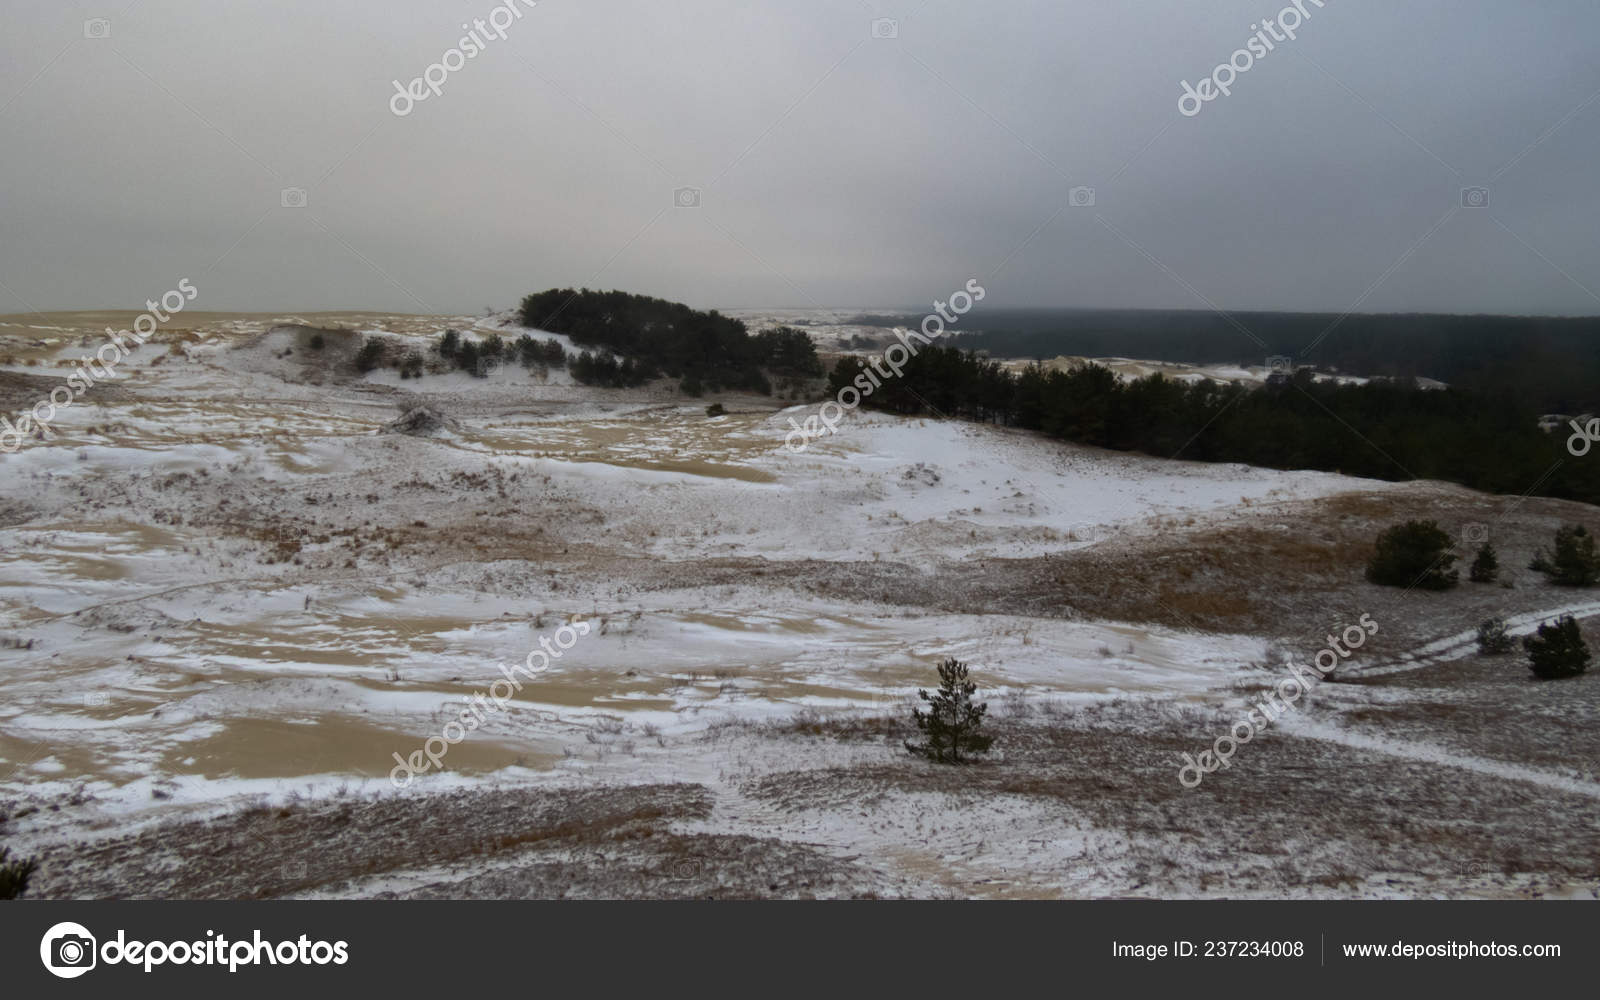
{"x": 293, "y": 198}
{"x": 96, "y": 699}
{"x": 686, "y": 197}
{"x": 885, "y": 27}
{"x": 687, "y": 868}
{"x": 68, "y": 950}
{"x": 1081, "y": 197}
{"x": 1280, "y": 364}
{"x": 97, "y": 27}
{"x": 1475, "y": 197}
{"x": 1475, "y": 534}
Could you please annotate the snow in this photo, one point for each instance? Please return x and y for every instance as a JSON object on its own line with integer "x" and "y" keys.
{"x": 179, "y": 624}
{"x": 168, "y": 640}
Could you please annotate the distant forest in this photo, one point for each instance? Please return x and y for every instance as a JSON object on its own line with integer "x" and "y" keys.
{"x": 1482, "y": 432}
{"x": 1550, "y": 364}
{"x": 706, "y": 351}
{"x": 1383, "y": 430}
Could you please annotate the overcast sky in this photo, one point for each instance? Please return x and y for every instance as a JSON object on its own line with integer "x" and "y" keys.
{"x": 834, "y": 167}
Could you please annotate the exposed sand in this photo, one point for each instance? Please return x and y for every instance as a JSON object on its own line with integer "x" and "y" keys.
{"x": 225, "y": 589}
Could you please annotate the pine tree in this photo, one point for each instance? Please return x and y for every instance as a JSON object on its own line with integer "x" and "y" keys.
{"x": 369, "y": 356}
{"x": 1485, "y": 567}
{"x": 1557, "y": 651}
{"x": 1574, "y": 562}
{"x": 1413, "y": 555}
{"x": 952, "y": 721}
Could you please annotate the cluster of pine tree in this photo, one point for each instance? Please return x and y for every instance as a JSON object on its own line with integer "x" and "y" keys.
{"x": 479, "y": 357}
{"x": 604, "y": 369}
{"x": 704, "y": 350}
{"x": 381, "y": 352}
{"x": 1381, "y": 430}
{"x": 1549, "y": 362}
{"x": 1573, "y": 561}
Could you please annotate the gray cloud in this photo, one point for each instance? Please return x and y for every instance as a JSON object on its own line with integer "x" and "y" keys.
{"x": 836, "y": 168}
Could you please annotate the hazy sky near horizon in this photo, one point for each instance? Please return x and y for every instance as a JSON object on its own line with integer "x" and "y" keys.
{"x": 833, "y": 164}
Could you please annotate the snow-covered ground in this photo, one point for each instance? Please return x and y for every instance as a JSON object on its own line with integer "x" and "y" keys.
{"x": 224, "y": 581}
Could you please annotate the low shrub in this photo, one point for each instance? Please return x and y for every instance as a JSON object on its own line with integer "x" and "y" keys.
{"x": 1492, "y": 637}
{"x": 15, "y": 873}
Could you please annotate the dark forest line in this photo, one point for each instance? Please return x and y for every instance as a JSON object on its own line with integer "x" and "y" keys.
{"x": 1549, "y": 363}
{"x": 1385, "y": 429}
